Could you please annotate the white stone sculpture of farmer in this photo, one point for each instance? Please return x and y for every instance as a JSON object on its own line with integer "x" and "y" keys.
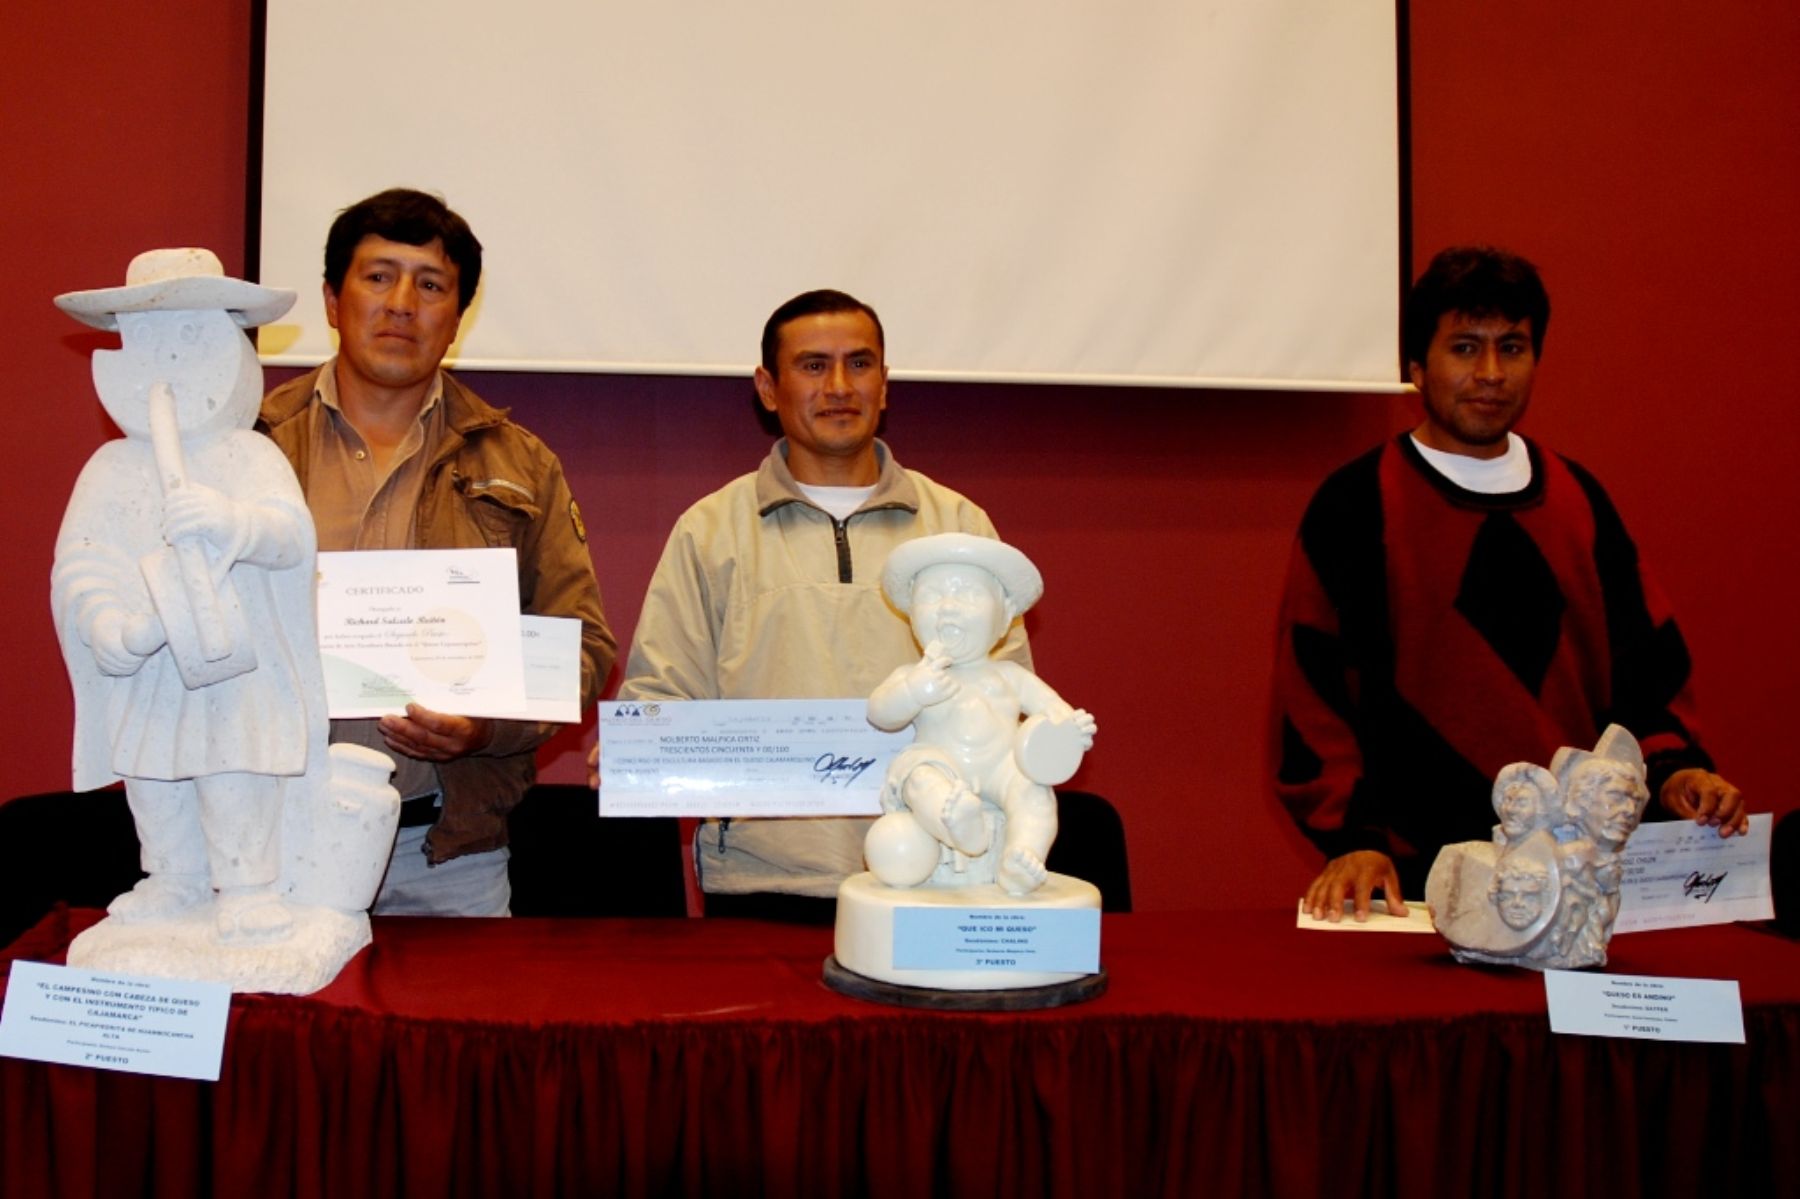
{"x": 970, "y": 798}
{"x": 182, "y": 593}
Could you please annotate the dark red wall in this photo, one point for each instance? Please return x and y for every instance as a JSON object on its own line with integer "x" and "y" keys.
{"x": 1648, "y": 163}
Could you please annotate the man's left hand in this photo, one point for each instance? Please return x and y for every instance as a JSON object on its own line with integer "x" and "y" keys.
{"x": 435, "y": 736}
{"x": 1705, "y": 798}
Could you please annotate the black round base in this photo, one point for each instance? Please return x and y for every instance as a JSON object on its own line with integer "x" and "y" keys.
{"x": 1019, "y": 999}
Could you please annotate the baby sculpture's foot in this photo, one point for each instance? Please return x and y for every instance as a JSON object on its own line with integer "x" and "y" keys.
{"x": 964, "y": 822}
{"x": 247, "y": 918}
{"x": 159, "y": 897}
{"x": 1021, "y": 872}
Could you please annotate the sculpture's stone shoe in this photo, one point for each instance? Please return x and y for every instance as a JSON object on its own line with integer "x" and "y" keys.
{"x": 159, "y": 897}
{"x": 253, "y": 919}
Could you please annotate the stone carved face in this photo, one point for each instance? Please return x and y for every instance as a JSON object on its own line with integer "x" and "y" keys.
{"x": 960, "y": 606}
{"x": 202, "y": 356}
{"x": 1606, "y": 799}
{"x": 1518, "y": 892}
{"x": 1519, "y": 807}
{"x": 1525, "y": 799}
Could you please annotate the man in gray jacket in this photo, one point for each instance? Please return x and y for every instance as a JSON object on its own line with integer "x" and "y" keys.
{"x": 770, "y": 588}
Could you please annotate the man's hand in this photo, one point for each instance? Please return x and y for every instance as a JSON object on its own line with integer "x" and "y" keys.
{"x": 1705, "y": 798}
{"x": 435, "y": 736}
{"x": 1354, "y": 876}
{"x": 594, "y": 766}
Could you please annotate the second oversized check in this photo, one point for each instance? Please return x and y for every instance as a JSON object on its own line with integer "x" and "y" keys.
{"x": 742, "y": 757}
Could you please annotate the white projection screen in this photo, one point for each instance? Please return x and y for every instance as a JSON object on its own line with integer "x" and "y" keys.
{"x": 1162, "y": 192}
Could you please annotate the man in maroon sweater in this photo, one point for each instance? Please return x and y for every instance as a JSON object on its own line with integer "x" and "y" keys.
{"x": 1461, "y": 598}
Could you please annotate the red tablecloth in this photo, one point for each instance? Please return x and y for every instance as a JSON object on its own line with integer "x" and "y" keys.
{"x": 1232, "y": 1055}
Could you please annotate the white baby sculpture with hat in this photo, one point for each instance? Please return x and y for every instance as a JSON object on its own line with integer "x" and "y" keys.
{"x": 969, "y": 814}
{"x": 183, "y": 597}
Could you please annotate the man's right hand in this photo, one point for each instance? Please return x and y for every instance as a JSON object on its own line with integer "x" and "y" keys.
{"x": 1354, "y": 876}
{"x": 594, "y": 766}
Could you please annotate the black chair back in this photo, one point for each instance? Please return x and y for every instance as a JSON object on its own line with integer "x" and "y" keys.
{"x": 568, "y": 860}
{"x": 1090, "y": 844}
{"x": 73, "y": 847}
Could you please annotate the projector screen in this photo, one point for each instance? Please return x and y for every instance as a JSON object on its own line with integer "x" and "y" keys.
{"x": 1166, "y": 192}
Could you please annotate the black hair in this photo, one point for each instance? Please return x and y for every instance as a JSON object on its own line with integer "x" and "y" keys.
{"x": 812, "y": 303}
{"x": 412, "y": 218}
{"x": 1477, "y": 281}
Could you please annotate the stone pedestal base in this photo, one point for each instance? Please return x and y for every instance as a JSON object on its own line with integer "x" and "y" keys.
{"x": 1018, "y": 999}
{"x": 321, "y": 941}
{"x": 865, "y": 931}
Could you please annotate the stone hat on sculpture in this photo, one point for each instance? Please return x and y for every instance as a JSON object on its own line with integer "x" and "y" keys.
{"x": 1018, "y": 578}
{"x": 1615, "y": 745}
{"x": 186, "y": 279}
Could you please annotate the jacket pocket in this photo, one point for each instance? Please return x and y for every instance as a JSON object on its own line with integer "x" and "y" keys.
{"x": 501, "y": 509}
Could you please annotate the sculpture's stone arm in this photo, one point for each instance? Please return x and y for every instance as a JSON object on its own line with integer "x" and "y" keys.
{"x": 93, "y": 589}
{"x": 277, "y": 536}
{"x": 891, "y": 704}
{"x": 1036, "y": 697}
{"x": 269, "y": 533}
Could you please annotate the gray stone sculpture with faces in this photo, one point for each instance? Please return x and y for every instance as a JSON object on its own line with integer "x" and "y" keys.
{"x": 1544, "y": 893}
{"x": 183, "y": 598}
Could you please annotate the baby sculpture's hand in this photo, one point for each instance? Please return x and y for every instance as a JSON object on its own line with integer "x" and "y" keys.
{"x": 1084, "y": 720}
{"x": 195, "y": 510}
{"x": 1060, "y": 711}
{"x": 928, "y": 680}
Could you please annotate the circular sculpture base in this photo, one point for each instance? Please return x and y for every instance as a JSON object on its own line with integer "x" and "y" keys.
{"x": 864, "y": 942}
{"x": 1015, "y": 999}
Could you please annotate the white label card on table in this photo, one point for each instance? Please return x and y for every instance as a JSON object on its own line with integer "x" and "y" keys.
{"x": 743, "y": 757}
{"x": 1678, "y": 873}
{"x": 1639, "y": 1006}
{"x": 164, "y": 1026}
{"x": 439, "y": 628}
{"x": 946, "y": 938}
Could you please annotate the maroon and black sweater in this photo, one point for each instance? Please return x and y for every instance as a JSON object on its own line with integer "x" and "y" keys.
{"x": 1431, "y": 635}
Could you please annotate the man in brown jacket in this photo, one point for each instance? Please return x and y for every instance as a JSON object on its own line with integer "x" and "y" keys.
{"x": 394, "y": 453}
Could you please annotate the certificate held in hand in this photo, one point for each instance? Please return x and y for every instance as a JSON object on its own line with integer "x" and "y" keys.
{"x": 439, "y": 628}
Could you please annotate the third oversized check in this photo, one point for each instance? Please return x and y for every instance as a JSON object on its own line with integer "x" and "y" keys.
{"x": 742, "y": 757}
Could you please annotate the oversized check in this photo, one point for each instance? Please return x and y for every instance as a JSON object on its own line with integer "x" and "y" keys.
{"x": 438, "y": 628}
{"x": 1678, "y": 873}
{"x": 742, "y": 757}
